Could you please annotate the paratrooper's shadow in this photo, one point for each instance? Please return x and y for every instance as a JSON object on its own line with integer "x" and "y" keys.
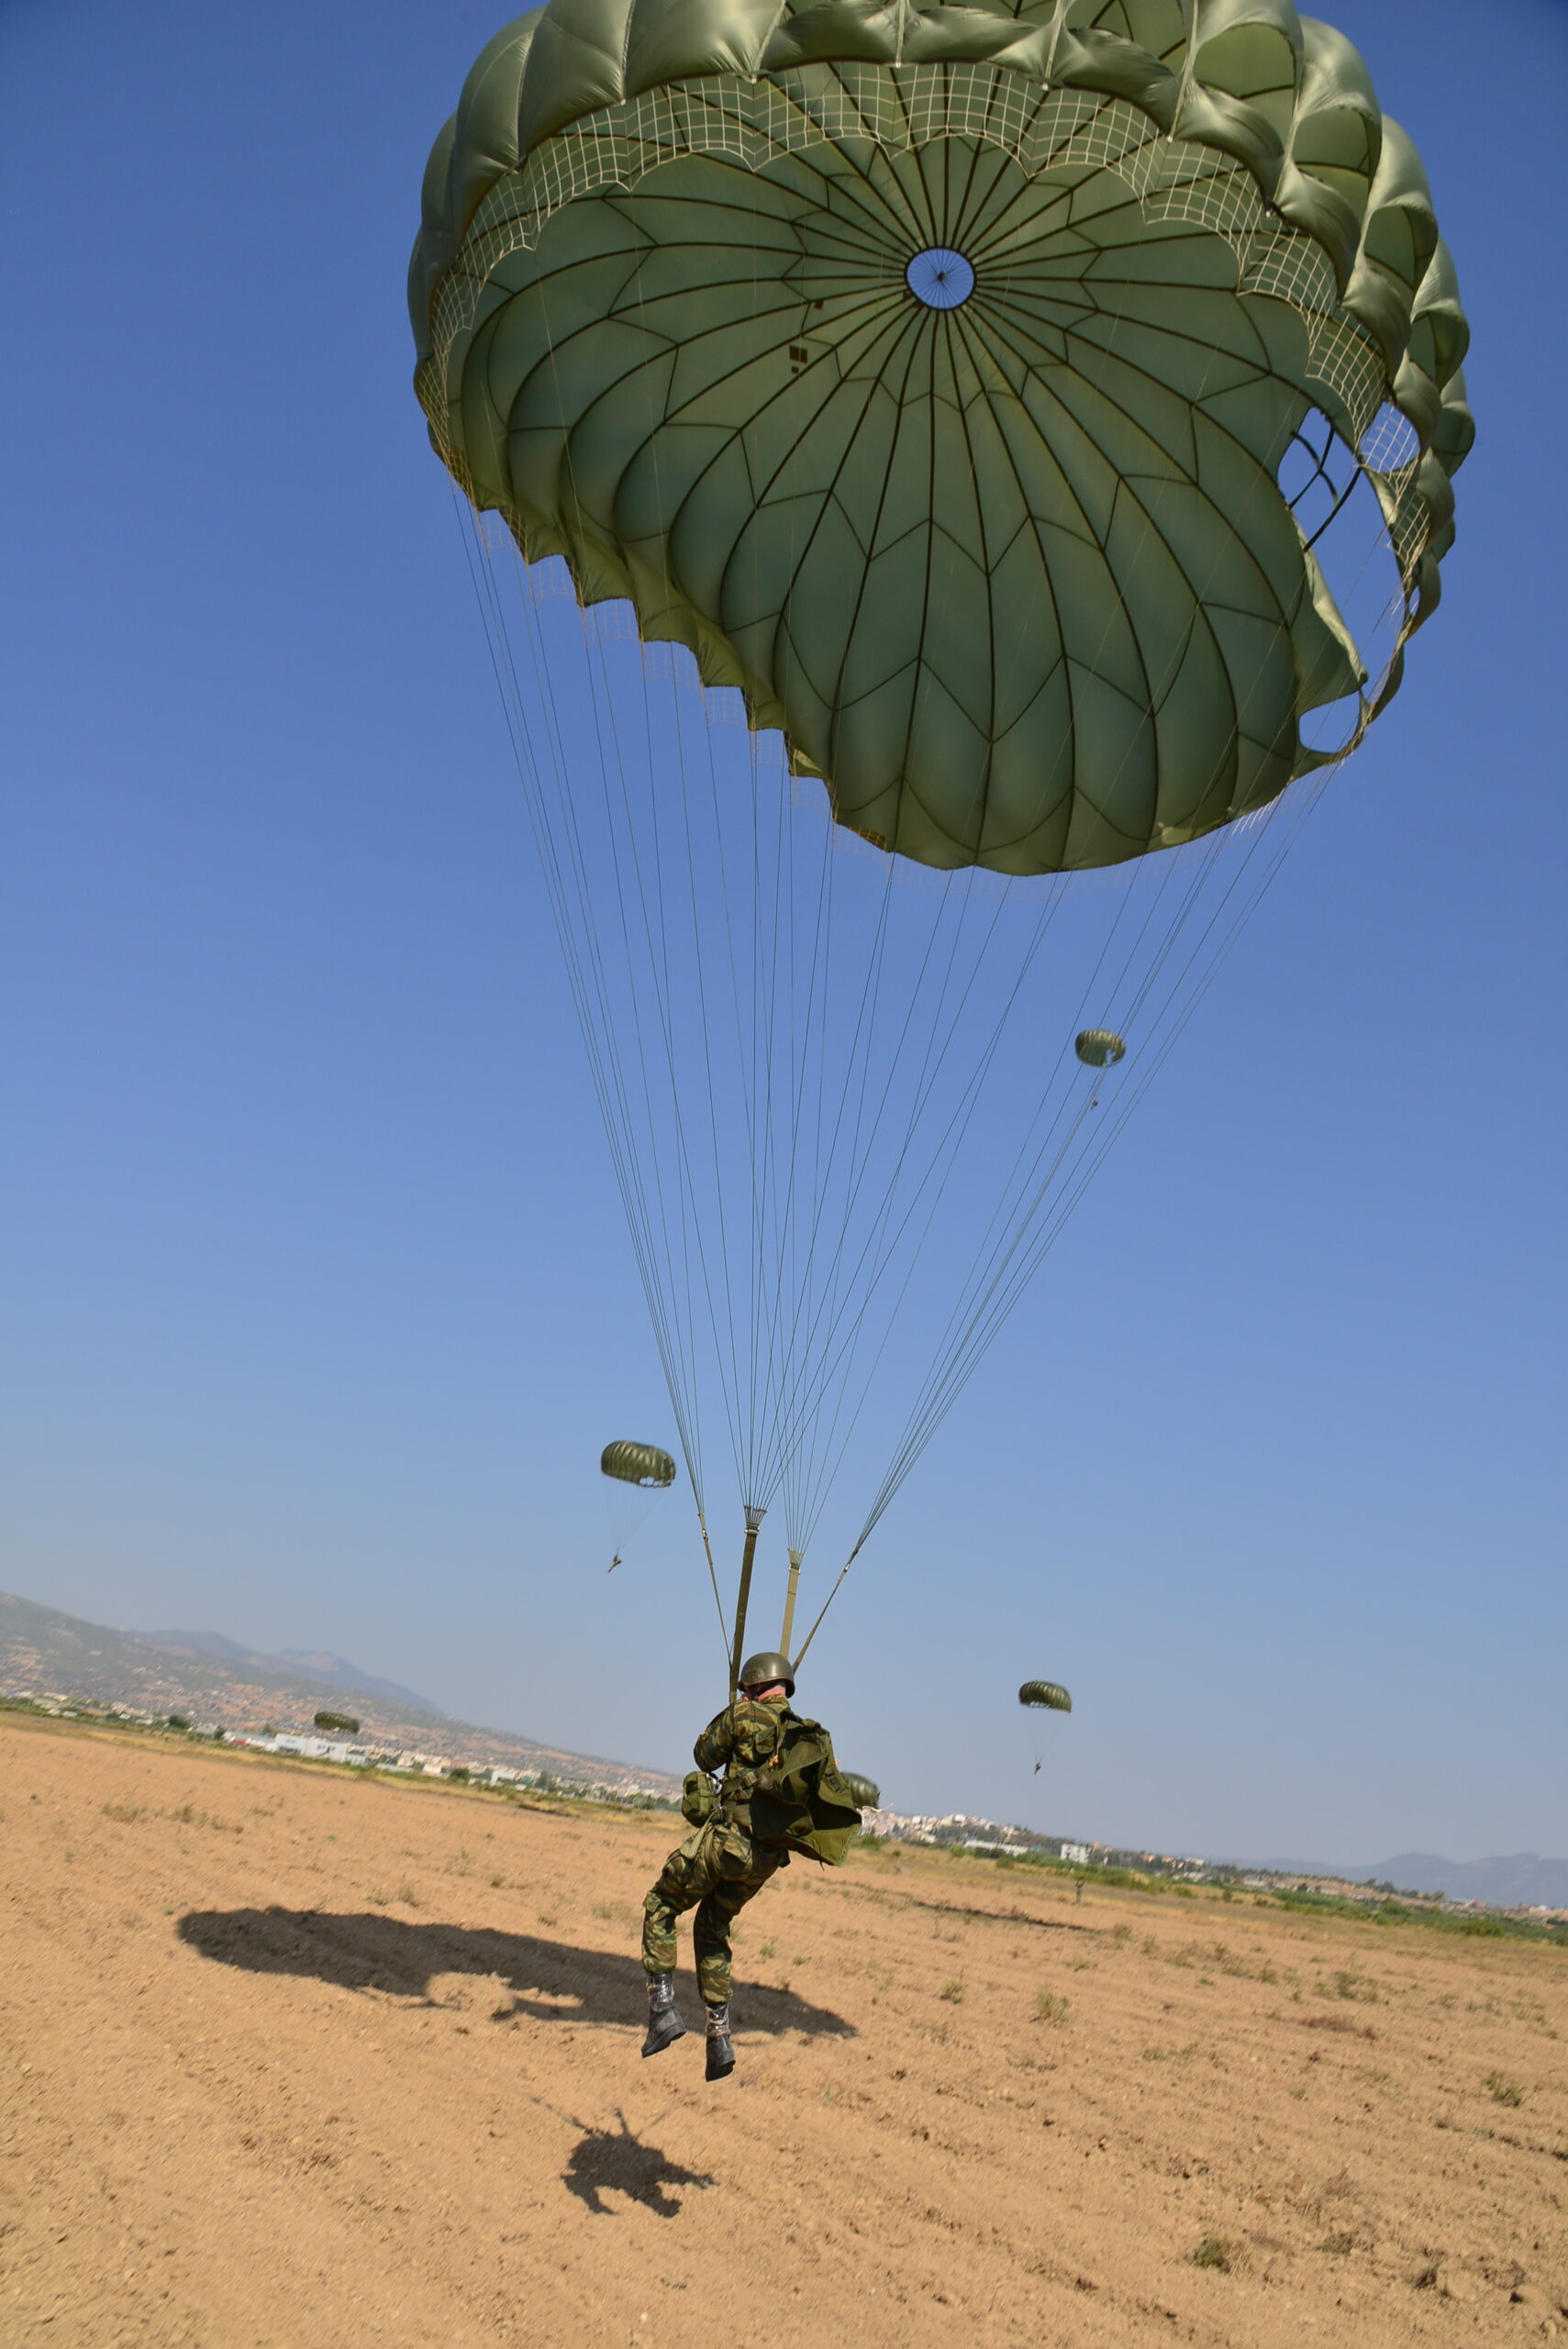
{"x": 549, "y": 1981}
{"x": 610, "y": 2161}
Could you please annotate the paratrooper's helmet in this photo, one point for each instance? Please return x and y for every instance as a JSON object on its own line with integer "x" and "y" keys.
{"x": 761, "y": 1671}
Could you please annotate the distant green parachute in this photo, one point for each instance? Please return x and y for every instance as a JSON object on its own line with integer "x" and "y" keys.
{"x": 343, "y": 1723}
{"x": 1049, "y": 1693}
{"x": 1040, "y": 418}
{"x": 1097, "y": 1048}
{"x": 637, "y": 1464}
{"x": 864, "y": 1793}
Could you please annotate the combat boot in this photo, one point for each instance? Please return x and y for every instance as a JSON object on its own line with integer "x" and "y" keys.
{"x": 720, "y": 2046}
{"x": 664, "y": 2024}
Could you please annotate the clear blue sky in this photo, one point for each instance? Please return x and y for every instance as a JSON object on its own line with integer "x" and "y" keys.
{"x": 316, "y": 1303}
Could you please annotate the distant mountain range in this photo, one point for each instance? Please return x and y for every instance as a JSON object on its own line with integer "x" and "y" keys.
{"x": 208, "y": 1677}
{"x": 1523, "y": 1880}
{"x": 317, "y": 1663}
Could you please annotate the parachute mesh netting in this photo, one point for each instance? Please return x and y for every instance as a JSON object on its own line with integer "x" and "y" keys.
{"x": 1034, "y": 429}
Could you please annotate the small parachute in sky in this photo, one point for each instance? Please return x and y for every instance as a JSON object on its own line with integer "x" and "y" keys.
{"x": 648, "y": 1467}
{"x": 638, "y": 1464}
{"x": 1099, "y": 1048}
{"x": 865, "y": 1794}
{"x": 1048, "y": 1696}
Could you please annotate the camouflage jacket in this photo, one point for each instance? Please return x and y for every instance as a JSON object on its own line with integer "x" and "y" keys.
{"x": 781, "y": 1781}
{"x": 741, "y": 1740}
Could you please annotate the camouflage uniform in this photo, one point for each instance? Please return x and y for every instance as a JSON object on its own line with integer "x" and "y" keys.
{"x": 723, "y": 1865}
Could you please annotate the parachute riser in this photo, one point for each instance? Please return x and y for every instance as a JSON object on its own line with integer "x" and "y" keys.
{"x": 786, "y": 1634}
{"x": 743, "y": 1596}
{"x": 832, "y": 1595}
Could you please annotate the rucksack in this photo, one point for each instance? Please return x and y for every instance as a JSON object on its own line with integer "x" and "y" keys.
{"x": 802, "y": 1798}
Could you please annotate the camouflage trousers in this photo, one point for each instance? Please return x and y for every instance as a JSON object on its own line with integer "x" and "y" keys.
{"x": 717, "y": 1870}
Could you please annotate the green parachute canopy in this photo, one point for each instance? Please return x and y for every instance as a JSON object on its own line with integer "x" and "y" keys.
{"x": 864, "y": 1793}
{"x": 1048, "y": 1693}
{"x": 637, "y": 1464}
{"x": 1098, "y": 1048}
{"x": 1033, "y": 423}
{"x": 930, "y": 373}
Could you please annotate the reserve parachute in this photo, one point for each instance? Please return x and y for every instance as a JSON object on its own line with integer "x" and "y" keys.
{"x": 943, "y": 487}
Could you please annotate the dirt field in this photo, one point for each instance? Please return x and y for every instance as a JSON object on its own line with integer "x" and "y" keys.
{"x": 291, "y": 2059}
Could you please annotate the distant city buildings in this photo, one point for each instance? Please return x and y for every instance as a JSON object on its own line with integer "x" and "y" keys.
{"x": 557, "y": 1774}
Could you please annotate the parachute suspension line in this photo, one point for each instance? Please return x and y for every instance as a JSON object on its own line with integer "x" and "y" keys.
{"x": 804, "y": 1403}
{"x": 995, "y": 1298}
{"x": 658, "y": 943}
{"x": 712, "y": 1573}
{"x": 1312, "y": 787}
{"x": 691, "y": 1223}
{"x": 756, "y": 1055}
{"x": 832, "y": 1595}
{"x": 684, "y": 1390}
{"x": 948, "y": 1151}
{"x": 795, "y": 1374}
{"x": 577, "y": 978}
{"x": 818, "y": 1422}
{"x": 778, "y": 1196}
{"x": 806, "y": 1423}
{"x": 798, "y": 1368}
{"x": 999, "y": 1277}
{"x": 786, "y": 1256}
{"x": 766, "y": 936}
{"x": 946, "y": 1380}
{"x": 941, "y": 1160}
{"x": 942, "y": 1184}
{"x": 621, "y": 838}
{"x": 764, "y": 993}
{"x": 923, "y": 1424}
{"x": 993, "y": 1305}
{"x": 666, "y": 1310}
{"x": 800, "y": 1374}
{"x": 586, "y": 977}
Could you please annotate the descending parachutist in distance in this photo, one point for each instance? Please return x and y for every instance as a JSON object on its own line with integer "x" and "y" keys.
{"x": 648, "y": 1469}
{"x": 1044, "y": 1696}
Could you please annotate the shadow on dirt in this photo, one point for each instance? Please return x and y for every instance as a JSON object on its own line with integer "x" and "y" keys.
{"x": 610, "y": 2161}
{"x": 549, "y": 1981}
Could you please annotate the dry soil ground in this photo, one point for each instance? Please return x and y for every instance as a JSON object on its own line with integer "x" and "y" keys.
{"x": 294, "y": 2059}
